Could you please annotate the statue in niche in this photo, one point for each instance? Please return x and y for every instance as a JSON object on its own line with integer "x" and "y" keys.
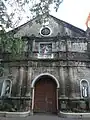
{"x": 7, "y": 90}
{"x": 84, "y": 91}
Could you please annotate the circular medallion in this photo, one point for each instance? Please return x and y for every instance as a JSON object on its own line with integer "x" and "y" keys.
{"x": 45, "y": 31}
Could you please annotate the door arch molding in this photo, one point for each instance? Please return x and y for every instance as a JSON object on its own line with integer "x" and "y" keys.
{"x": 45, "y": 74}
{"x": 33, "y": 87}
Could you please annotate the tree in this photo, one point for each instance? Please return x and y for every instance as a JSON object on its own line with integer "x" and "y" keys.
{"x": 10, "y": 44}
{"x": 16, "y": 10}
{"x": 4, "y": 17}
{"x": 12, "y": 16}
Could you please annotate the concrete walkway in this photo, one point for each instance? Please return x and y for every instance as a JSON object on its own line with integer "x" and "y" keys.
{"x": 41, "y": 117}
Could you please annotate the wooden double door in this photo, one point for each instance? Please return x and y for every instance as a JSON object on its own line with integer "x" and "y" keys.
{"x": 45, "y": 95}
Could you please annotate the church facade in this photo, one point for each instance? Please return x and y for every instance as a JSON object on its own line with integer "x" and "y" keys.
{"x": 55, "y": 65}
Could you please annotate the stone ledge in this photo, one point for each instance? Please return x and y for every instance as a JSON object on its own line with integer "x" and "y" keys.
{"x": 15, "y": 114}
{"x": 74, "y": 115}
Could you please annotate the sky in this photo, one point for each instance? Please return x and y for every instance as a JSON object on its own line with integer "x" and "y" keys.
{"x": 74, "y": 12}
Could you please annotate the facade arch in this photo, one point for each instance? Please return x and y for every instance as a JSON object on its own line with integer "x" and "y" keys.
{"x": 45, "y": 74}
{"x": 37, "y": 80}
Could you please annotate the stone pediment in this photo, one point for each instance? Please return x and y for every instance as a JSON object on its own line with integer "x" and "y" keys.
{"x": 55, "y": 25}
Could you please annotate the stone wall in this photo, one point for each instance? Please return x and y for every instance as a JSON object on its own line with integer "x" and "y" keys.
{"x": 69, "y": 76}
{"x": 69, "y": 65}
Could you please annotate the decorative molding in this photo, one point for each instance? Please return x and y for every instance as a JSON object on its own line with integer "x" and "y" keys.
{"x": 43, "y": 74}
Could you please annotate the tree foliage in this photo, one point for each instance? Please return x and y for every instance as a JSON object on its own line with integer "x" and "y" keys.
{"x": 14, "y": 11}
{"x": 10, "y": 44}
{"x": 43, "y": 6}
{"x": 4, "y": 17}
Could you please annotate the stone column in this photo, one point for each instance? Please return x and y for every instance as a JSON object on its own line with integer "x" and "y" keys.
{"x": 71, "y": 78}
{"x": 62, "y": 79}
{"x": 20, "y": 80}
{"x": 77, "y": 83}
{"x": 19, "y": 86}
{"x": 29, "y": 77}
{"x": 28, "y": 88}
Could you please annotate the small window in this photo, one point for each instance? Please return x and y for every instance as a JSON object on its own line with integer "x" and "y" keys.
{"x": 84, "y": 88}
{"x": 45, "y": 50}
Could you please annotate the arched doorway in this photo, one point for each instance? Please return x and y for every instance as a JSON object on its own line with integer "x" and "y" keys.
{"x": 45, "y": 94}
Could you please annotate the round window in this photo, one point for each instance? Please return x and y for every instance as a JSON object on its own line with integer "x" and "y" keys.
{"x": 45, "y": 31}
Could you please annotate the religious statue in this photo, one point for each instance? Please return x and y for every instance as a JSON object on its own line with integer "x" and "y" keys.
{"x": 7, "y": 90}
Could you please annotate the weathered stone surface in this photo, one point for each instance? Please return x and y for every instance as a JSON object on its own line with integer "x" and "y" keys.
{"x": 69, "y": 64}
